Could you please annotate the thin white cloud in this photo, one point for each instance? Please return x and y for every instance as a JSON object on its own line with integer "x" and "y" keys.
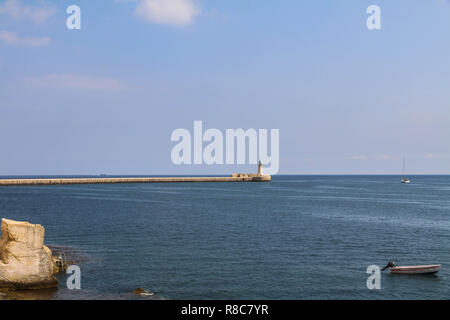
{"x": 79, "y": 82}
{"x": 173, "y": 12}
{"x": 429, "y": 155}
{"x": 360, "y": 157}
{"x": 383, "y": 157}
{"x": 18, "y": 11}
{"x": 12, "y": 38}
{"x": 363, "y": 157}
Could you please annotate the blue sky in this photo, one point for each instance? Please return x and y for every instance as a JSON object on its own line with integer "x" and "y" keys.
{"x": 106, "y": 98}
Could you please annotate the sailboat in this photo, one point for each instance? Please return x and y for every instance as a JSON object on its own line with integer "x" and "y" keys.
{"x": 404, "y": 179}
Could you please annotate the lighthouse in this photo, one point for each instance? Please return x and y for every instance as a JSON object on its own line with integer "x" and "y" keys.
{"x": 259, "y": 177}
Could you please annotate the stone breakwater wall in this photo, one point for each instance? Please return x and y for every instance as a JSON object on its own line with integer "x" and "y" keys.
{"x": 101, "y": 180}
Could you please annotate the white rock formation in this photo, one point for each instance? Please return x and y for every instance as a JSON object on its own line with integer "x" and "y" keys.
{"x": 25, "y": 262}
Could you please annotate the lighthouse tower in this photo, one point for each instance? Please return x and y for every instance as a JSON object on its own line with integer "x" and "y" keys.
{"x": 260, "y": 173}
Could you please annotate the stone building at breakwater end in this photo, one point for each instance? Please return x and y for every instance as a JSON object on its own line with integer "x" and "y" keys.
{"x": 237, "y": 177}
{"x": 258, "y": 177}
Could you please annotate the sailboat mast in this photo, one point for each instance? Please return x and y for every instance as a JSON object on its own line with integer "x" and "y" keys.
{"x": 404, "y": 179}
{"x": 403, "y": 168}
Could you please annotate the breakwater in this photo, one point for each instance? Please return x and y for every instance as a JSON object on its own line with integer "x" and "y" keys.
{"x": 103, "y": 180}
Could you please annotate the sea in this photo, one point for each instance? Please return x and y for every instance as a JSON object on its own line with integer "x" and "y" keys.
{"x": 297, "y": 237}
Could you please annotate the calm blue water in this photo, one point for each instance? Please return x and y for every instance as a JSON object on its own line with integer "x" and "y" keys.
{"x": 298, "y": 237}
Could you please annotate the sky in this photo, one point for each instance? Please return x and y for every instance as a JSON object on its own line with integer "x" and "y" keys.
{"x": 106, "y": 98}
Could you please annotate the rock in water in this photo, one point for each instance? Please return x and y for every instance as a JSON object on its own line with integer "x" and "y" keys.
{"x": 142, "y": 292}
{"x": 25, "y": 262}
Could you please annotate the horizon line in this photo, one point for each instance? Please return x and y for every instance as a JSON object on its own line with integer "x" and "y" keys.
{"x": 226, "y": 174}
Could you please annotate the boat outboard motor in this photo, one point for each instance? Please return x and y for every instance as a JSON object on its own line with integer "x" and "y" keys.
{"x": 389, "y": 265}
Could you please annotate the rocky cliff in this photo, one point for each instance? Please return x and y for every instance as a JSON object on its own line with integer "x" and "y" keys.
{"x": 25, "y": 262}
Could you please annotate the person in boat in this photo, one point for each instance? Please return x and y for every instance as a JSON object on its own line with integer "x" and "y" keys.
{"x": 389, "y": 265}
